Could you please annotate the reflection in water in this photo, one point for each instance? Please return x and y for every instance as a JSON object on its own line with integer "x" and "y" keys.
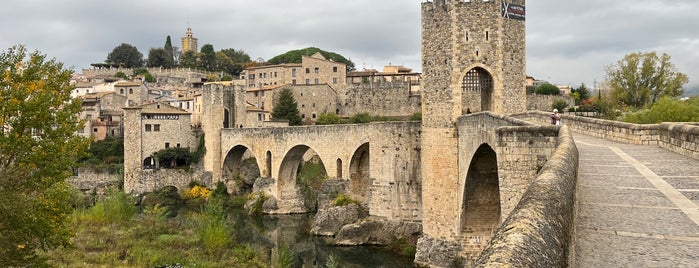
{"x": 270, "y": 232}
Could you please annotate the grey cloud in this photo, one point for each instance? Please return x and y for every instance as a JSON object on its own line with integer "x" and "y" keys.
{"x": 567, "y": 41}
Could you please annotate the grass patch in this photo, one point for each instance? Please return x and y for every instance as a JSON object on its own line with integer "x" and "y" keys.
{"x": 112, "y": 234}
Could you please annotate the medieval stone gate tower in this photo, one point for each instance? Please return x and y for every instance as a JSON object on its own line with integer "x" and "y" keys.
{"x": 473, "y": 60}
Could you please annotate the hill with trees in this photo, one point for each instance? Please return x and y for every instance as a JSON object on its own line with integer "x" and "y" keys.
{"x": 295, "y": 56}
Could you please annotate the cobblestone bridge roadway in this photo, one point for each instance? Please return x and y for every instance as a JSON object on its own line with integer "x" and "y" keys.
{"x": 638, "y": 206}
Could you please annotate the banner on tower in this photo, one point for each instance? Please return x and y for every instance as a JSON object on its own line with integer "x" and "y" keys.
{"x": 512, "y": 11}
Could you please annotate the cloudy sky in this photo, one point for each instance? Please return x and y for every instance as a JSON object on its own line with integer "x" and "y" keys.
{"x": 568, "y": 42}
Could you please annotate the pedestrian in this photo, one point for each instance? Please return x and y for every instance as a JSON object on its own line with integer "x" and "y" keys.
{"x": 556, "y": 118}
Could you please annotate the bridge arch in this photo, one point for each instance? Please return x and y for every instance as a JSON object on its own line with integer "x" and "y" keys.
{"x": 289, "y": 168}
{"x": 477, "y": 90}
{"x": 480, "y": 215}
{"x": 360, "y": 179}
{"x": 231, "y": 169}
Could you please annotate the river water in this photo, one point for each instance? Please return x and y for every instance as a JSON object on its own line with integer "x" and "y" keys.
{"x": 274, "y": 231}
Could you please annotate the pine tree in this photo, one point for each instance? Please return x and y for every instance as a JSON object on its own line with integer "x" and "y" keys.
{"x": 287, "y": 108}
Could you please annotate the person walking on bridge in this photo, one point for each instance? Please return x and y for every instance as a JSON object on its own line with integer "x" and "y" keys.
{"x": 555, "y": 118}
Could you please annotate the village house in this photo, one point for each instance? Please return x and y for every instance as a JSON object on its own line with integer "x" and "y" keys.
{"x": 313, "y": 70}
{"x": 160, "y": 126}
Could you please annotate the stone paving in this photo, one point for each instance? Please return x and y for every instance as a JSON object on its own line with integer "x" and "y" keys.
{"x": 638, "y": 206}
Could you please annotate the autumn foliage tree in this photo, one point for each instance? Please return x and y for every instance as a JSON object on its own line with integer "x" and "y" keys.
{"x": 38, "y": 148}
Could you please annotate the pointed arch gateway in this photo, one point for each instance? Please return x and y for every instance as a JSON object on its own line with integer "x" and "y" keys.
{"x": 477, "y": 91}
{"x": 480, "y": 216}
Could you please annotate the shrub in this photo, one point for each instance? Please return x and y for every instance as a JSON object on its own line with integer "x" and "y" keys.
{"x": 173, "y": 157}
{"x": 197, "y": 192}
{"x": 221, "y": 191}
{"x": 116, "y": 208}
{"x": 260, "y": 198}
{"x": 416, "y": 117}
{"x": 360, "y": 118}
{"x": 328, "y": 119}
{"x": 344, "y": 200}
{"x": 121, "y": 75}
{"x": 666, "y": 110}
{"x": 560, "y": 104}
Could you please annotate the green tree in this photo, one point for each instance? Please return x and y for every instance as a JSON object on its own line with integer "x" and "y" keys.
{"x": 125, "y": 55}
{"x": 531, "y": 89}
{"x": 38, "y": 119}
{"x": 286, "y": 108}
{"x": 295, "y": 56}
{"x": 548, "y": 89}
{"x": 559, "y": 104}
{"x": 328, "y": 119}
{"x": 189, "y": 59}
{"x": 640, "y": 79}
{"x": 160, "y": 57}
{"x": 584, "y": 92}
{"x": 225, "y": 64}
{"x": 207, "y": 58}
{"x": 237, "y": 56}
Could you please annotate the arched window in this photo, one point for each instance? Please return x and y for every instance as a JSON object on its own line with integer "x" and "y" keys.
{"x": 477, "y": 90}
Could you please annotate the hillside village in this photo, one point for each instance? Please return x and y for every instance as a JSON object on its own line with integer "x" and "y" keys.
{"x": 319, "y": 86}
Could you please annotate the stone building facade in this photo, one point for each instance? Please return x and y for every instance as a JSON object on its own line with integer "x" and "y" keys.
{"x": 135, "y": 92}
{"x": 103, "y": 115}
{"x": 313, "y": 70}
{"x": 473, "y": 56}
{"x": 149, "y": 128}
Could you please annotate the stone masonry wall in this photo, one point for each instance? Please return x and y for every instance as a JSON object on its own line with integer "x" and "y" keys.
{"x": 682, "y": 138}
{"x": 544, "y": 102}
{"x": 152, "y": 180}
{"x": 522, "y": 150}
{"x": 394, "y": 150}
{"x": 538, "y": 231}
{"x": 386, "y": 98}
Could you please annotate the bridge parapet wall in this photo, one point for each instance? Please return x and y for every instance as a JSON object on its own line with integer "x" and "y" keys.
{"x": 679, "y": 137}
{"x": 522, "y": 148}
{"x": 538, "y": 231}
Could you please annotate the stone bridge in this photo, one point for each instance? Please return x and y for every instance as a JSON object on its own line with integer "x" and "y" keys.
{"x": 379, "y": 160}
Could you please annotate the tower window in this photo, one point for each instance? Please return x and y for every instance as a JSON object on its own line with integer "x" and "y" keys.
{"x": 487, "y": 36}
